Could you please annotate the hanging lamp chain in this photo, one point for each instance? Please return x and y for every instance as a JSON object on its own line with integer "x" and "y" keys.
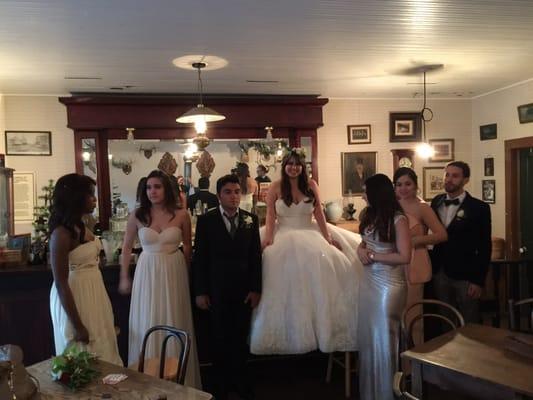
{"x": 200, "y": 84}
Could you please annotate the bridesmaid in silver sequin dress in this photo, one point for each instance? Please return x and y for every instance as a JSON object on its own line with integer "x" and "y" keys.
{"x": 385, "y": 250}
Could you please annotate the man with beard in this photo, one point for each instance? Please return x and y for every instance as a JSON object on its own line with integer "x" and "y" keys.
{"x": 460, "y": 265}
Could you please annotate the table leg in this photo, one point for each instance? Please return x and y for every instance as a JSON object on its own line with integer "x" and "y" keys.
{"x": 417, "y": 383}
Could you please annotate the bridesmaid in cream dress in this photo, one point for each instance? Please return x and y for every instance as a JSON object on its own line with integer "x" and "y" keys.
{"x": 80, "y": 308}
{"x": 160, "y": 292}
{"x": 421, "y": 218}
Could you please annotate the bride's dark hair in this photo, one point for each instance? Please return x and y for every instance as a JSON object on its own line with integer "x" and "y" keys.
{"x": 69, "y": 202}
{"x": 143, "y": 212}
{"x": 303, "y": 180}
{"x": 382, "y": 208}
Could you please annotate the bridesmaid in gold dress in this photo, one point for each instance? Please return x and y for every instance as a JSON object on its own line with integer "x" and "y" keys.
{"x": 421, "y": 219}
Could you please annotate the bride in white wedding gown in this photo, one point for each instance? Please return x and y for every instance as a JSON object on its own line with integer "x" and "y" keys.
{"x": 310, "y": 287}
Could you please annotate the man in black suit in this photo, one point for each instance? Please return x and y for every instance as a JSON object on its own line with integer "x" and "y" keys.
{"x": 227, "y": 268}
{"x": 460, "y": 265}
{"x": 204, "y": 195}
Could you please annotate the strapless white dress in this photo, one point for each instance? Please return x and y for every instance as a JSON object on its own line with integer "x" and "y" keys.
{"x": 160, "y": 296}
{"x": 88, "y": 289}
{"x": 310, "y": 288}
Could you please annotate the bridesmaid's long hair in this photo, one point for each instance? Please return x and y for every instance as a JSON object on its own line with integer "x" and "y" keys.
{"x": 69, "y": 203}
{"x": 382, "y": 208}
{"x": 243, "y": 172}
{"x": 303, "y": 180}
{"x": 143, "y": 212}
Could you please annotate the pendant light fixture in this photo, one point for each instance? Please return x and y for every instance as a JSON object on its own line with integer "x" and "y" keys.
{"x": 424, "y": 149}
{"x": 200, "y": 115}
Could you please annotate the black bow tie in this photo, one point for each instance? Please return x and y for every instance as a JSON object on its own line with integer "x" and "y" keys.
{"x": 455, "y": 202}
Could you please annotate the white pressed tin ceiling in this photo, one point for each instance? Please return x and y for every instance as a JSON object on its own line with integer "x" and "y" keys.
{"x": 336, "y": 48}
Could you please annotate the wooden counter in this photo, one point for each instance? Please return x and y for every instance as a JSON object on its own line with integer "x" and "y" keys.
{"x": 25, "y": 312}
{"x": 25, "y": 309}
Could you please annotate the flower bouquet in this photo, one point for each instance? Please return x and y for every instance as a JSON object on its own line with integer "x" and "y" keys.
{"x": 74, "y": 368}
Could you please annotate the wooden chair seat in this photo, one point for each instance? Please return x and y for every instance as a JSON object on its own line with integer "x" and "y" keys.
{"x": 151, "y": 367}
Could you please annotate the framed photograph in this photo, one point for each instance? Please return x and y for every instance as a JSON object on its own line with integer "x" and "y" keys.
{"x": 433, "y": 182}
{"x": 405, "y": 127}
{"x": 356, "y": 167}
{"x": 488, "y": 132}
{"x": 28, "y": 143}
{"x": 24, "y": 195}
{"x": 22, "y": 243}
{"x": 359, "y": 134}
{"x": 444, "y": 150}
{"x": 525, "y": 113}
{"x": 488, "y": 188}
{"x": 488, "y": 166}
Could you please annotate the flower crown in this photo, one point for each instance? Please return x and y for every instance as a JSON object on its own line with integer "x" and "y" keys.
{"x": 300, "y": 151}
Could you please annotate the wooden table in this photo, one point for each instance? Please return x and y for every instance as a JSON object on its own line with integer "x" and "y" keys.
{"x": 136, "y": 387}
{"x": 472, "y": 359}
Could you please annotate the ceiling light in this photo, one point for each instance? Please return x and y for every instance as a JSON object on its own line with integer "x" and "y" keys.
{"x": 424, "y": 149}
{"x": 131, "y": 138}
{"x": 200, "y": 115}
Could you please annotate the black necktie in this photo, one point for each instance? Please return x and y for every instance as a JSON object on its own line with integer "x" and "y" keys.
{"x": 455, "y": 202}
{"x": 232, "y": 224}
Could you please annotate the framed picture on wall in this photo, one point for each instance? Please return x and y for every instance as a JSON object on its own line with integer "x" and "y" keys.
{"x": 525, "y": 113}
{"x": 488, "y": 132}
{"x": 444, "y": 150}
{"x": 488, "y": 166}
{"x": 24, "y": 194}
{"x": 433, "y": 182}
{"x": 359, "y": 134}
{"x": 28, "y": 143}
{"x": 488, "y": 190}
{"x": 356, "y": 167}
{"x": 405, "y": 127}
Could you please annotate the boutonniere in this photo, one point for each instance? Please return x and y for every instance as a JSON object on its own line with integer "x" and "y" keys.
{"x": 247, "y": 221}
{"x": 460, "y": 214}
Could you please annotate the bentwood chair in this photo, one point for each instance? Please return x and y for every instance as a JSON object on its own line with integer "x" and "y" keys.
{"x": 169, "y": 368}
{"x": 450, "y": 317}
{"x": 514, "y": 314}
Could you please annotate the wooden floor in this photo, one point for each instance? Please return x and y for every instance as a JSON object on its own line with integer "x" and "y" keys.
{"x": 303, "y": 377}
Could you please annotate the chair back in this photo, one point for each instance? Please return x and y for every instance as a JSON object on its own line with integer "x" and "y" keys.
{"x": 407, "y": 329}
{"x": 182, "y": 337}
{"x": 514, "y": 314}
{"x": 400, "y": 386}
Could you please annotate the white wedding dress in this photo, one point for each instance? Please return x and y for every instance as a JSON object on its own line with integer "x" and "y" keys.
{"x": 92, "y": 302}
{"x": 310, "y": 288}
{"x": 160, "y": 296}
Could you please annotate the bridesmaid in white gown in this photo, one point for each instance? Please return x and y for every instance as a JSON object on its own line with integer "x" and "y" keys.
{"x": 80, "y": 308}
{"x": 310, "y": 286}
{"x": 385, "y": 251}
{"x": 160, "y": 293}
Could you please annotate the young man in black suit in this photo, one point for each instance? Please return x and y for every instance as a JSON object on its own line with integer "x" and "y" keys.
{"x": 227, "y": 283}
{"x": 460, "y": 265}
